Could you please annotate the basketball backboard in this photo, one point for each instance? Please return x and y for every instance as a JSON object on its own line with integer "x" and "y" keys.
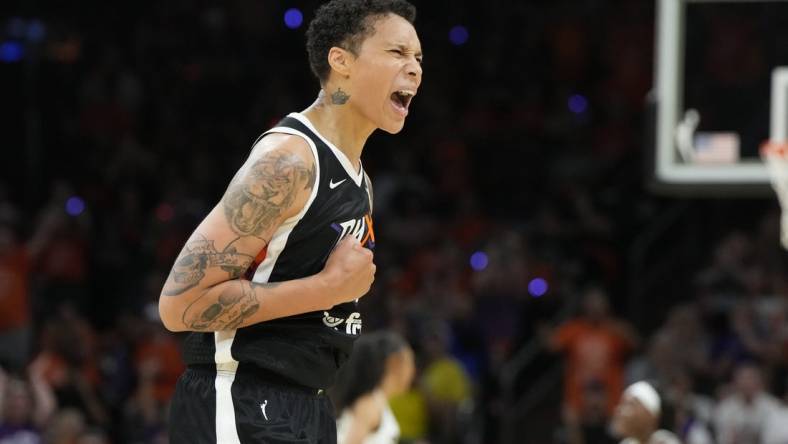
{"x": 719, "y": 89}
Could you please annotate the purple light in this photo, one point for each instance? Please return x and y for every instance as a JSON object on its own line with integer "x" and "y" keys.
{"x": 11, "y": 52}
{"x": 577, "y": 104}
{"x": 537, "y": 287}
{"x": 479, "y": 261}
{"x": 75, "y": 206}
{"x": 458, "y": 35}
{"x": 293, "y": 18}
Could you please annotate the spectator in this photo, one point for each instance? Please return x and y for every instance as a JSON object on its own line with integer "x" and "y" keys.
{"x": 410, "y": 409}
{"x": 444, "y": 382}
{"x": 658, "y": 364}
{"x": 775, "y": 428}
{"x": 594, "y": 346}
{"x": 158, "y": 359}
{"x": 62, "y": 269}
{"x": 740, "y": 417}
{"x": 26, "y": 407}
{"x": 693, "y": 412}
{"x": 15, "y": 326}
{"x": 158, "y": 366}
{"x": 17, "y": 259}
{"x": 68, "y": 364}
{"x": 589, "y": 425}
{"x": 65, "y": 427}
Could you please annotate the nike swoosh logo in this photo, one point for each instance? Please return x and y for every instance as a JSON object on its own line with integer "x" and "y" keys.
{"x": 332, "y": 184}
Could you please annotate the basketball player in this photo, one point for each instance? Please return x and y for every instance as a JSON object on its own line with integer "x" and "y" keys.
{"x": 380, "y": 367}
{"x": 269, "y": 282}
{"x": 637, "y": 417}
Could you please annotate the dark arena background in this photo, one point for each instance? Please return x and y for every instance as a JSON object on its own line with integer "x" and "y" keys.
{"x": 529, "y": 247}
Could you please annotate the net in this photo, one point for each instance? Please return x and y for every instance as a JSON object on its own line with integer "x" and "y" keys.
{"x": 775, "y": 155}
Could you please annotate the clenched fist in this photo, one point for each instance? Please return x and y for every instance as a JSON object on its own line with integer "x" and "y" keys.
{"x": 349, "y": 271}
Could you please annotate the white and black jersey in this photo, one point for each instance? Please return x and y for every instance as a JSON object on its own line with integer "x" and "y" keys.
{"x": 307, "y": 348}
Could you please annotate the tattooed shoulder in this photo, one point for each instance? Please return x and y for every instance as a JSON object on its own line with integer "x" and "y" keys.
{"x": 264, "y": 190}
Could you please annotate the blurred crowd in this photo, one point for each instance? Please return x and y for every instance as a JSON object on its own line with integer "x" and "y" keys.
{"x": 719, "y": 358}
{"x": 506, "y": 212}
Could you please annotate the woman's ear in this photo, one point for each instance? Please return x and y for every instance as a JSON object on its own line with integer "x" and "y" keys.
{"x": 340, "y": 60}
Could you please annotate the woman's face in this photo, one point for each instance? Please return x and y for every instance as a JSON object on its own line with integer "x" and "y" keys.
{"x": 631, "y": 417}
{"x": 389, "y": 60}
{"x": 402, "y": 367}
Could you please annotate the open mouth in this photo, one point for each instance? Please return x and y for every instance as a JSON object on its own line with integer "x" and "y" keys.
{"x": 401, "y": 99}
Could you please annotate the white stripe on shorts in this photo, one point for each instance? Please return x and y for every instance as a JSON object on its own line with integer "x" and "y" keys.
{"x": 226, "y": 431}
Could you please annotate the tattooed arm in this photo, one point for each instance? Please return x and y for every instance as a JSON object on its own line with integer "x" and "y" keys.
{"x": 205, "y": 290}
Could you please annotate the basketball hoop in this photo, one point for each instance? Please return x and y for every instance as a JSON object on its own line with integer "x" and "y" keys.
{"x": 775, "y": 151}
{"x": 775, "y": 156}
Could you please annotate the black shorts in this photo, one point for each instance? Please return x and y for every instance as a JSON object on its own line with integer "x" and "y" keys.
{"x": 247, "y": 406}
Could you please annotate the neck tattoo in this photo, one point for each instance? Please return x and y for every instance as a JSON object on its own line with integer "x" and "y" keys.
{"x": 339, "y": 97}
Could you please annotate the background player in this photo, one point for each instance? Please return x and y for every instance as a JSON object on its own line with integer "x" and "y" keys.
{"x": 381, "y": 366}
{"x": 637, "y": 416}
{"x": 264, "y": 282}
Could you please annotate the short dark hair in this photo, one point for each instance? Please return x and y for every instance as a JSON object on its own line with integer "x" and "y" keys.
{"x": 345, "y": 24}
{"x": 364, "y": 371}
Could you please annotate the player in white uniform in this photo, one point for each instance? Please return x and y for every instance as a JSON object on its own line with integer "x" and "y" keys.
{"x": 637, "y": 416}
{"x": 380, "y": 367}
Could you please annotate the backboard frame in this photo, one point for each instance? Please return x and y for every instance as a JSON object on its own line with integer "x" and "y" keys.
{"x": 671, "y": 176}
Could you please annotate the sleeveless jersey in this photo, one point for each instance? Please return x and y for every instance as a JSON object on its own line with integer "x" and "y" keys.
{"x": 308, "y": 348}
